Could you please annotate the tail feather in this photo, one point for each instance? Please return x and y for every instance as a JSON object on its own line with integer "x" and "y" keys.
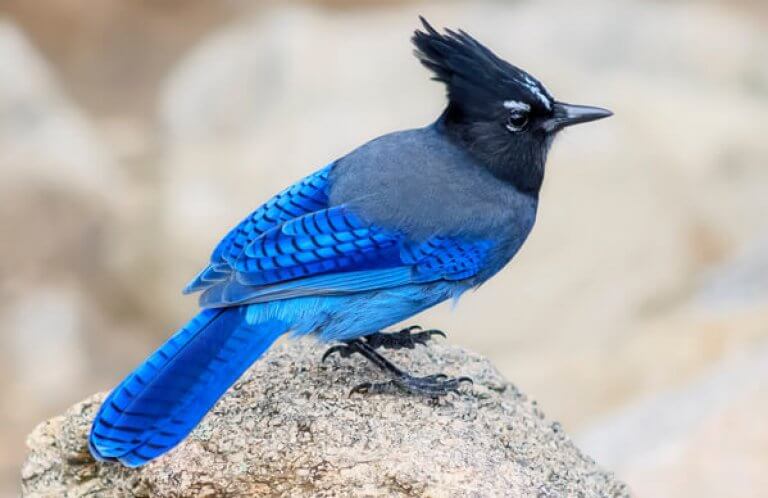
{"x": 160, "y": 402}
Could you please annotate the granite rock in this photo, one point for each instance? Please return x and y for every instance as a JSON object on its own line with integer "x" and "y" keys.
{"x": 289, "y": 427}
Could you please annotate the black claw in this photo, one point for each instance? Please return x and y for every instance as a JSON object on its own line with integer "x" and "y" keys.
{"x": 406, "y": 338}
{"x": 342, "y": 349}
{"x": 438, "y": 332}
{"x": 345, "y": 350}
{"x": 425, "y": 336}
{"x": 432, "y": 386}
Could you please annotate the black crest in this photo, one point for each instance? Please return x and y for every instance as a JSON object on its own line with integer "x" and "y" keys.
{"x": 475, "y": 76}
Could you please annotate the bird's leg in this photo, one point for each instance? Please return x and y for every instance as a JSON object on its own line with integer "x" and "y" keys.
{"x": 406, "y": 338}
{"x": 431, "y": 385}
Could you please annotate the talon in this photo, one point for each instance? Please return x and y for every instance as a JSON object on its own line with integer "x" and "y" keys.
{"x": 333, "y": 349}
{"x": 437, "y": 332}
{"x": 406, "y": 338}
{"x": 459, "y": 380}
{"x": 432, "y": 386}
{"x": 344, "y": 350}
{"x": 425, "y": 336}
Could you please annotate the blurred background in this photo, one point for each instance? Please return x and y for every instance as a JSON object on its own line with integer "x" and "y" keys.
{"x": 134, "y": 133}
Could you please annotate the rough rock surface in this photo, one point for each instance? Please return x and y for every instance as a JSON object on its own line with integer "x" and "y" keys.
{"x": 290, "y": 428}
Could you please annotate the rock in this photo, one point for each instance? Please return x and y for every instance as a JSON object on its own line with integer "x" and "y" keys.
{"x": 289, "y": 428}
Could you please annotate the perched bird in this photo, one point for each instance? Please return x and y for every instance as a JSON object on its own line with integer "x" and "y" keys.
{"x": 398, "y": 225}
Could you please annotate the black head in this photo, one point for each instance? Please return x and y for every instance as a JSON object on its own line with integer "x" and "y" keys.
{"x": 502, "y": 114}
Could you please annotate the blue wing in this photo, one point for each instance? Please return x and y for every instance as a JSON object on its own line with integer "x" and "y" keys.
{"x": 296, "y": 245}
{"x": 305, "y": 196}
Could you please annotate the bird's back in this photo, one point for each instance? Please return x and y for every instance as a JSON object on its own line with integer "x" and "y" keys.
{"x": 425, "y": 185}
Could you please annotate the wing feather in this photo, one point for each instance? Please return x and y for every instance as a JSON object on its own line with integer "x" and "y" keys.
{"x": 305, "y": 196}
{"x": 296, "y": 245}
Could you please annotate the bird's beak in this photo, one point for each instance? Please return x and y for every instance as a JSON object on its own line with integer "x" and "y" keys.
{"x": 570, "y": 114}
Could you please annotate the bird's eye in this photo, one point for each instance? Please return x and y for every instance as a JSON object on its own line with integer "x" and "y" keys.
{"x": 516, "y": 121}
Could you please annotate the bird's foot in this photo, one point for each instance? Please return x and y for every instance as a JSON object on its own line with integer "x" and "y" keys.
{"x": 406, "y": 338}
{"x": 431, "y": 386}
{"x": 345, "y": 350}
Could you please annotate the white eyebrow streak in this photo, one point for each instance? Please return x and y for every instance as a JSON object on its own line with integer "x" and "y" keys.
{"x": 516, "y": 105}
{"x": 534, "y": 88}
{"x": 543, "y": 98}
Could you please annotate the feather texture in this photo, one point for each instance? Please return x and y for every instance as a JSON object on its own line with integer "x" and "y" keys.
{"x": 398, "y": 225}
{"x": 158, "y": 404}
{"x": 332, "y": 252}
{"x": 305, "y": 196}
{"x": 329, "y": 240}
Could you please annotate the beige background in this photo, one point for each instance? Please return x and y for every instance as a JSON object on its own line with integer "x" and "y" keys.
{"x": 134, "y": 133}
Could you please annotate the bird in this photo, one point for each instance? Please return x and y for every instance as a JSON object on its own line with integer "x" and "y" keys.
{"x": 400, "y": 224}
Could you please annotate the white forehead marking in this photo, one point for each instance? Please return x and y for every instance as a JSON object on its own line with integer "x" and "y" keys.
{"x": 515, "y": 105}
{"x": 534, "y": 88}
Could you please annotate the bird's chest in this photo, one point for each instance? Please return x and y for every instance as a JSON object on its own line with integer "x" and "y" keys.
{"x": 509, "y": 237}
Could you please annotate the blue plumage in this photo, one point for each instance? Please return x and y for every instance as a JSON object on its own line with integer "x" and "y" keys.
{"x": 305, "y": 196}
{"x": 157, "y": 405}
{"x": 327, "y": 240}
{"x": 398, "y": 225}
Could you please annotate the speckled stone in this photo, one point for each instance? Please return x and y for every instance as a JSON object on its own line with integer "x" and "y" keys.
{"x": 289, "y": 428}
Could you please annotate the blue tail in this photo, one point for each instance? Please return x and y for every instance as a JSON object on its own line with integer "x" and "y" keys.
{"x": 160, "y": 402}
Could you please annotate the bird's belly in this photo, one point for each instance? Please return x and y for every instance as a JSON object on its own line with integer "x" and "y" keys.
{"x": 334, "y": 318}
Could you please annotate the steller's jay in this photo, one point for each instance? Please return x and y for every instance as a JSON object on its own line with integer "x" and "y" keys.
{"x": 402, "y": 223}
